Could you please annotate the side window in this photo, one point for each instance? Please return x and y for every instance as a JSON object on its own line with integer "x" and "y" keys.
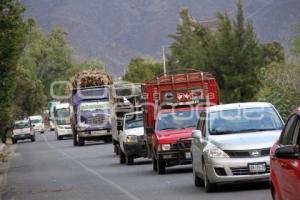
{"x": 287, "y": 135}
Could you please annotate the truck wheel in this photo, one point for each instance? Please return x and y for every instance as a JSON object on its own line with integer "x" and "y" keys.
{"x": 14, "y": 141}
{"x": 33, "y": 139}
{"x": 161, "y": 166}
{"x": 122, "y": 156}
{"x": 154, "y": 163}
{"x": 208, "y": 186}
{"x": 81, "y": 141}
{"x": 129, "y": 159}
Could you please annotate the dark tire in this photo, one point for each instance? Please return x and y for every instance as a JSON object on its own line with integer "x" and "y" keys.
{"x": 129, "y": 159}
{"x": 122, "y": 156}
{"x": 161, "y": 166}
{"x": 81, "y": 141}
{"x": 116, "y": 149}
{"x": 197, "y": 180}
{"x": 33, "y": 139}
{"x": 75, "y": 142}
{"x": 208, "y": 186}
{"x": 108, "y": 140}
{"x": 14, "y": 141}
{"x": 154, "y": 163}
{"x": 60, "y": 137}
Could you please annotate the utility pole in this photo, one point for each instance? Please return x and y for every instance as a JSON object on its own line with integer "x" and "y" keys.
{"x": 164, "y": 61}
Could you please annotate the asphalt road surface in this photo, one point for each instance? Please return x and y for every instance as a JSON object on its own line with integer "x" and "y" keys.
{"x": 51, "y": 169}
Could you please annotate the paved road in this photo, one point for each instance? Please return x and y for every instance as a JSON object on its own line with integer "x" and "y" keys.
{"x": 51, "y": 169}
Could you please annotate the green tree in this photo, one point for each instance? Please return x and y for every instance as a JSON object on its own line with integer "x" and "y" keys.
{"x": 11, "y": 45}
{"x": 142, "y": 69}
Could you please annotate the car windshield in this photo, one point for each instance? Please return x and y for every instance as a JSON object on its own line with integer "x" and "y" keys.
{"x": 94, "y": 106}
{"x": 36, "y": 121}
{"x": 177, "y": 120}
{"x": 244, "y": 120}
{"x": 21, "y": 124}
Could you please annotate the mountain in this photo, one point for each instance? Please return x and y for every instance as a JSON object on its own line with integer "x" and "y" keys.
{"x": 116, "y": 30}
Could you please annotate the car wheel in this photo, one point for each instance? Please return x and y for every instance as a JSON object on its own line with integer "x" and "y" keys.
{"x": 116, "y": 149}
{"x": 122, "y": 156}
{"x": 33, "y": 139}
{"x": 80, "y": 141}
{"x": 59, "y": 137}
{"x": 197, "y": 180}
{"x": 129, "y": 159}
{"x": 75, "y": 142}
{"x": 161, "y": 166}
{"x": 208, "y": 186}
{"x": 14, "y": 141}
{"x": 154, "y": 163}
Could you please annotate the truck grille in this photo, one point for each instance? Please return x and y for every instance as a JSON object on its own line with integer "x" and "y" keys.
{"x": 237, "y": 171}
{"x": 247, "y": 153}
{"x": 182, "y": 145}
{"x": 97, "y": 120}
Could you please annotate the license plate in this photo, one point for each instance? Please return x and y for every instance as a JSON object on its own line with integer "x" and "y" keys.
{"x": 188, "y": 155}
{"x": 257, "y": 167}
{"x": 98, "y": 132}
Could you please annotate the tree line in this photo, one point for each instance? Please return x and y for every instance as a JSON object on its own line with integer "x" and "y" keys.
{"x": 246, "y": 69}
{"x": 30, "y": 60}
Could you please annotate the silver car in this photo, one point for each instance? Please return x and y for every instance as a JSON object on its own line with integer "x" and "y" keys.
{"x": 232, "y": 143}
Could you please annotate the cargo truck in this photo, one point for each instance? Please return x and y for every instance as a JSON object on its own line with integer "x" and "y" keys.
{"x": 172, "y": 106}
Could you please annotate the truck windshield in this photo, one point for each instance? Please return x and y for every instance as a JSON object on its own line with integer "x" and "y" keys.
{"x": 178, "y": 120}
{"x": 134, "y": 124}
{"x": 244, "y": 120}
{"x": 62, "y": 116}
{"x": 94, "y": 106}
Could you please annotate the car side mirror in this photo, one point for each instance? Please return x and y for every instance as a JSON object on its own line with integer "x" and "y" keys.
{"x": 197, "y": 134}
{"x": 149, "y": 131}
{"x": 287, "y": 152}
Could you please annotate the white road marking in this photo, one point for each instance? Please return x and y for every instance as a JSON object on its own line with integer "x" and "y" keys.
{"x": 94, "y": 172}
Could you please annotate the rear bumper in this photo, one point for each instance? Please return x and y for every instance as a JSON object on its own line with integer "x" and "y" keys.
{"x": 64, "y": 132}
{"x": 38, "y": 130}
{"x": 22, "y": 136}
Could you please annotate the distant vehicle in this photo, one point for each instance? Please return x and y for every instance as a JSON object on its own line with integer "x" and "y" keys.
{"x": 172, "y": 107}
{"x": 126, "y": 98}
{"x": 51, "y": 105}
{"x": 38, "y": 123}
{"x": 232, "y": 143}
{"x": 285, "y": 161}
{"x": 62, "y": 122}
{"x": 132, "y": 143}
{"x": 22, "y": 130}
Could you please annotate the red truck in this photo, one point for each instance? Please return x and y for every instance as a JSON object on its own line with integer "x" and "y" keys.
{"x": 172, "y": 107}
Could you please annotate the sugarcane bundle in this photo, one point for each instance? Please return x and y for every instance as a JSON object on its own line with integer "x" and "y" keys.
{"x": 90, "y": 78}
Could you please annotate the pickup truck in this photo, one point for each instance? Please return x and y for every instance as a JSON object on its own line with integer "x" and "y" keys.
{"x": 22, "y": 130}
{"x": 132, "y": 144}
{"x": 172, "y": 107}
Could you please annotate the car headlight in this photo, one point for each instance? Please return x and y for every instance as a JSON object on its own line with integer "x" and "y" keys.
{"x": 131, "y": 139}
{"x": 164, "y": 147}
{"x": 215, "y": 152}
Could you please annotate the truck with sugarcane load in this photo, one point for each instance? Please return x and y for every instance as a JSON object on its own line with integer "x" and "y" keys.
{"x": 172, "y": 107}
{"x": 91, "y": 109}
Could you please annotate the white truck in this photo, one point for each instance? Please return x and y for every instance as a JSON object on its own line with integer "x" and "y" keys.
{"x": 62, "y": 120}
{"x": 131, "y": 138}
{"x": 126, "y": 98}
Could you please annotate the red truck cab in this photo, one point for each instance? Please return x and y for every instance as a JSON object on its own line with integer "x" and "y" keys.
{"x": 173, "y": 104}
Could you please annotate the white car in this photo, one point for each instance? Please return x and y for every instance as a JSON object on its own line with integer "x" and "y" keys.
{"x": 231, "y": 143}
{"x": 22, "y": 130}
{"x": 38, "y": 123}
